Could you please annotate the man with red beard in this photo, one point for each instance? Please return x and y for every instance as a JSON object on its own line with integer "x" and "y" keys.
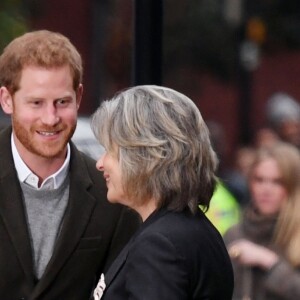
{"x": 58, "y": 233}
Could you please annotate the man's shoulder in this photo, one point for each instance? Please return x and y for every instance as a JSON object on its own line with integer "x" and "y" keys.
{"x": 5, "y": 133}
{"x": 89, "y": 161}
{"x": 83, "y": 172}
{"x": 6, "y": 159}
{"x": 80, "y": 159}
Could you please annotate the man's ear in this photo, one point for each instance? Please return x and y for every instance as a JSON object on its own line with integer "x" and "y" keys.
{"x": 6, "y": 100}
{"x": 79, "y": 93}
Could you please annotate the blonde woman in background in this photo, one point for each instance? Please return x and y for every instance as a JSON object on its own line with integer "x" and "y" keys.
{"x": 265, "y": 245}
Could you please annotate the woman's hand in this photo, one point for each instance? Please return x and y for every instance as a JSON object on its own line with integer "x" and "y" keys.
{"x": 250, "y": 254}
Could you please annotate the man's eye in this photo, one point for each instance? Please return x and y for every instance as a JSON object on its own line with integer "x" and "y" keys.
{"x": 62, "y": 102}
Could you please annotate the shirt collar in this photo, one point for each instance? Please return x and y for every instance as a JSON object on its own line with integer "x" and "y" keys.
{"x": 54, "y": 181}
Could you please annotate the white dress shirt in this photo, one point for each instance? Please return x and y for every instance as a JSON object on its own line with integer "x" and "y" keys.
{"x": 53, "y": 181}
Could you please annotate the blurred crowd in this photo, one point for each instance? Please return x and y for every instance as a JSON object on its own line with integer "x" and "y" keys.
{"x": 256, "y": 206}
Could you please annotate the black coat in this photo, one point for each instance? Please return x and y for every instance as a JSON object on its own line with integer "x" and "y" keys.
{"x": 174, "y": 256}
{"x": 93, "y": 233}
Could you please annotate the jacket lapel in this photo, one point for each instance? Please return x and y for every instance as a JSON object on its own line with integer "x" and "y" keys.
{"x": 11, "y": 206}
{"x": 80, "y": 207}
{"x": 121, "y": 259}
{"x": 116, "y": 265}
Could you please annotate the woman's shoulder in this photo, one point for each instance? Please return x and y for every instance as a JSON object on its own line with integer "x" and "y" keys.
{"x": 172, "y": 221}
{"x": 181, "y": 228}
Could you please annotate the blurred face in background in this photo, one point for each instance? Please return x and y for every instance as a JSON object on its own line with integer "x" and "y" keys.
{"x": 266, "y": 187}
{"x": 289, "y": 131}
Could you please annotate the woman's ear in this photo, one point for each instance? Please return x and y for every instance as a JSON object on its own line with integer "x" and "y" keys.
{"x": 6, "y": 100}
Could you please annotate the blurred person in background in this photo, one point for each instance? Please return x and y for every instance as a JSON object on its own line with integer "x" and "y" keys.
{"x": 236, "y": 179}
{"x": 159, "y": 162}
{"x": 264, "y": 246}
{"x": 58, "y": 232}
{"x": 283, "y": 116}
{"x": 224, "y": 209}
{"x": 265, "y": 137}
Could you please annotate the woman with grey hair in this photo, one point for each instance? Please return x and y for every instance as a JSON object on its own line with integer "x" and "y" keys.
{"x": 160, "y": 163}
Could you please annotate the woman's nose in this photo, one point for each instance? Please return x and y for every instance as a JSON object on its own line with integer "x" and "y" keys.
{"x": 99, "y": 163}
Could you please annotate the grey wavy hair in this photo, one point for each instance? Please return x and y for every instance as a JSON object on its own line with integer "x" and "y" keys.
{"x": 163, "y": 145}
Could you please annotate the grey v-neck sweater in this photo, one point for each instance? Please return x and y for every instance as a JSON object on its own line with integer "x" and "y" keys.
{"x": 45, "y": 211}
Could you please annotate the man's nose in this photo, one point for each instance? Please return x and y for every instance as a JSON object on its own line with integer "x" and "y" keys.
{"x": 50, "y": 115}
